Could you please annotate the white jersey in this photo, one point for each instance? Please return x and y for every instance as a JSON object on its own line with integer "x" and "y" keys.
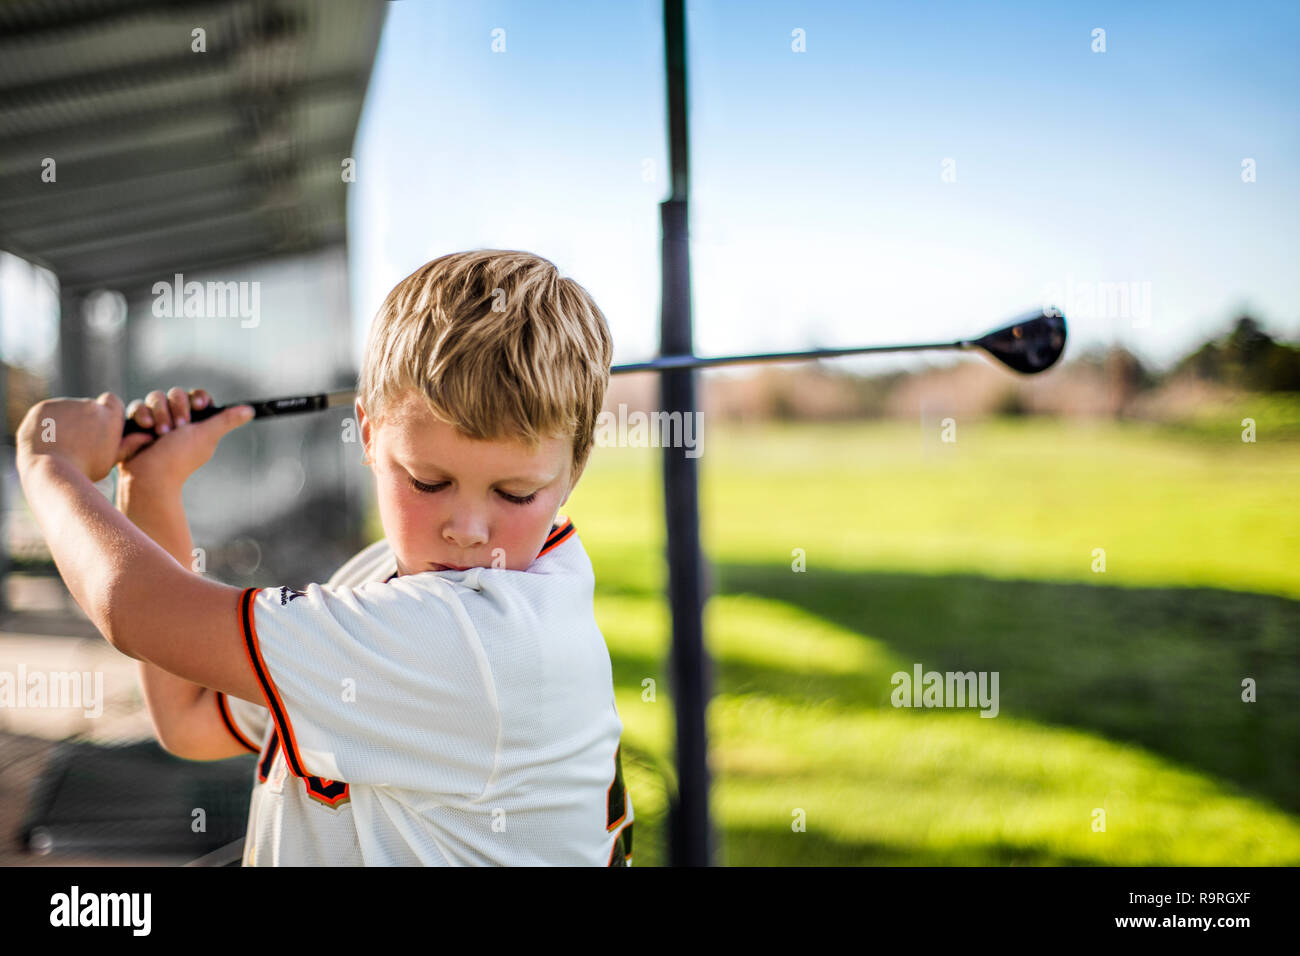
{"x": 445, "y": 718}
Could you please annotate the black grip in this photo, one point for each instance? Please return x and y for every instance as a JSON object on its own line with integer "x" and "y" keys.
{"x": 265, "y": 408}
{"x": 196, "y": 415}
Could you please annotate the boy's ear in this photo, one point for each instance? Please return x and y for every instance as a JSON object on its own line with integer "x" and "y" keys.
{"x": 362, "y": 422}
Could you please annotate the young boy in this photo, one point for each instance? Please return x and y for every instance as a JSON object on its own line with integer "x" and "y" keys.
{"x": 446, "y": 699}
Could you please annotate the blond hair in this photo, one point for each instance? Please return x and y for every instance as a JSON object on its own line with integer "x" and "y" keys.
{"x": 498, "y": 344}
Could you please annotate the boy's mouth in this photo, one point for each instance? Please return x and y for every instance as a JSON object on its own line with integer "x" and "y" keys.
{"x": 445, "y": 567}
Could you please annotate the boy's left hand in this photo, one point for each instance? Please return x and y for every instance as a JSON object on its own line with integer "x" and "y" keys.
{"x": 84, "y": 431}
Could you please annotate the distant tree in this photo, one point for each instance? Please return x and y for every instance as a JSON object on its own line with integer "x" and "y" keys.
{"x": 781, "y": 404}
{"x": 1205, "y": 363}
{"x": 1126, "y": 370}
{"x": 1281, "y": 372}
{"x": 1247, "y": 357}
{"x": 1011, "y": 403}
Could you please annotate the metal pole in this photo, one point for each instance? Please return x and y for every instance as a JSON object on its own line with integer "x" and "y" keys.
{"x": 72, "y": 345}
{"x": 690, "y": 840}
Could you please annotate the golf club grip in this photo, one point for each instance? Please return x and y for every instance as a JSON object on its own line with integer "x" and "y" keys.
{"x": 261, "y": 409}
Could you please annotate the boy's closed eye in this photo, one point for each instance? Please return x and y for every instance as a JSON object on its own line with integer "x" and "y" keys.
{"x": 430, "y": 489}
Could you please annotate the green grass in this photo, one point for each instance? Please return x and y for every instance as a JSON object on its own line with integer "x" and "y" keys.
{"x": 1118, "y": 690}
{"x": 1276, "y": 416}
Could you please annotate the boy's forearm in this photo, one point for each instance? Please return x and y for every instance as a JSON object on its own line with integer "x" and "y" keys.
{"x": 160, "y": 513}
{"x": 92, "y": 544}
{"x": 148, "y": 605}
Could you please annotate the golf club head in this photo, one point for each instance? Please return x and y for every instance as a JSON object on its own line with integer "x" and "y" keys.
{"x": 1031, "y": 344}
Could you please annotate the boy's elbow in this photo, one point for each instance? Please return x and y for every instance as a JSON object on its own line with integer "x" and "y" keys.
{"x": 165, "y": 734}
{"x": 170, "y": 743}
{"x": 117, "y": 637}
{"x": 181, "y": 748}
{"x": 181, "y": 741}
{"x": 122, "y": 621}
{"x": 174, "y": 737}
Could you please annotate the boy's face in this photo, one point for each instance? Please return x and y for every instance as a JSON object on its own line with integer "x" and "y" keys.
{"x": 467, "y": 516}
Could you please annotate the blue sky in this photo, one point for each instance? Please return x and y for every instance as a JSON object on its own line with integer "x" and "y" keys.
{"x": 820, "y": 213}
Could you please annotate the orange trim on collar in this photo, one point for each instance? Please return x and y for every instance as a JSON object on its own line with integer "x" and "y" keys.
{"x": 558, "y": 536}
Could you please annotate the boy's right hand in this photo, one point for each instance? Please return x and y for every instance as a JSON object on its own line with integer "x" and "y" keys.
{"x": 174, "y": 447}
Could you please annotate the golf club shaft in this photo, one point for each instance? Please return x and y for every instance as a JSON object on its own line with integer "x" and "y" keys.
{"x": 695, "y": 361}
{"x": 294, "y": 405}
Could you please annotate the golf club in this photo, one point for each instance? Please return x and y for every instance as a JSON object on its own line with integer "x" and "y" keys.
{"x": 1031, "y": 344}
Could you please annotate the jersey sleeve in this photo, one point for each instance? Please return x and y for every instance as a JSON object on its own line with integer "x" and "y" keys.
{"x": 247, "y": 722}
{"x": 380, "y": 685}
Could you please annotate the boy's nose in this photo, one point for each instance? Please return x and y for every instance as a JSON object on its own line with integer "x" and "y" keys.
{"x": 466, "y": 535}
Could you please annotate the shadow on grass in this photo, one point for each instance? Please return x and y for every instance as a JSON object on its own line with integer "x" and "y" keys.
{"x": 1160, "y": 668}
{"x": 782, "y": 847}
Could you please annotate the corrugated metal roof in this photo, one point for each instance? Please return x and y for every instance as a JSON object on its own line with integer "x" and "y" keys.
{"x": 170, "y": 160}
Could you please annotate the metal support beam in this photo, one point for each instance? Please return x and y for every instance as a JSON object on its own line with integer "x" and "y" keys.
{"x": 172, "y": 68}
{"x": 156, "y": 124}
{"x": 41, "y": 22}
{"x": 213, "y": 257}
{"x": 110, "y": 173}
{"x": 73, "y": 344}
{"x": 690, "y": 837}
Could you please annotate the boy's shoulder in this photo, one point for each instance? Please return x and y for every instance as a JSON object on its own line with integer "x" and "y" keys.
{"x": 375, "y": 562}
